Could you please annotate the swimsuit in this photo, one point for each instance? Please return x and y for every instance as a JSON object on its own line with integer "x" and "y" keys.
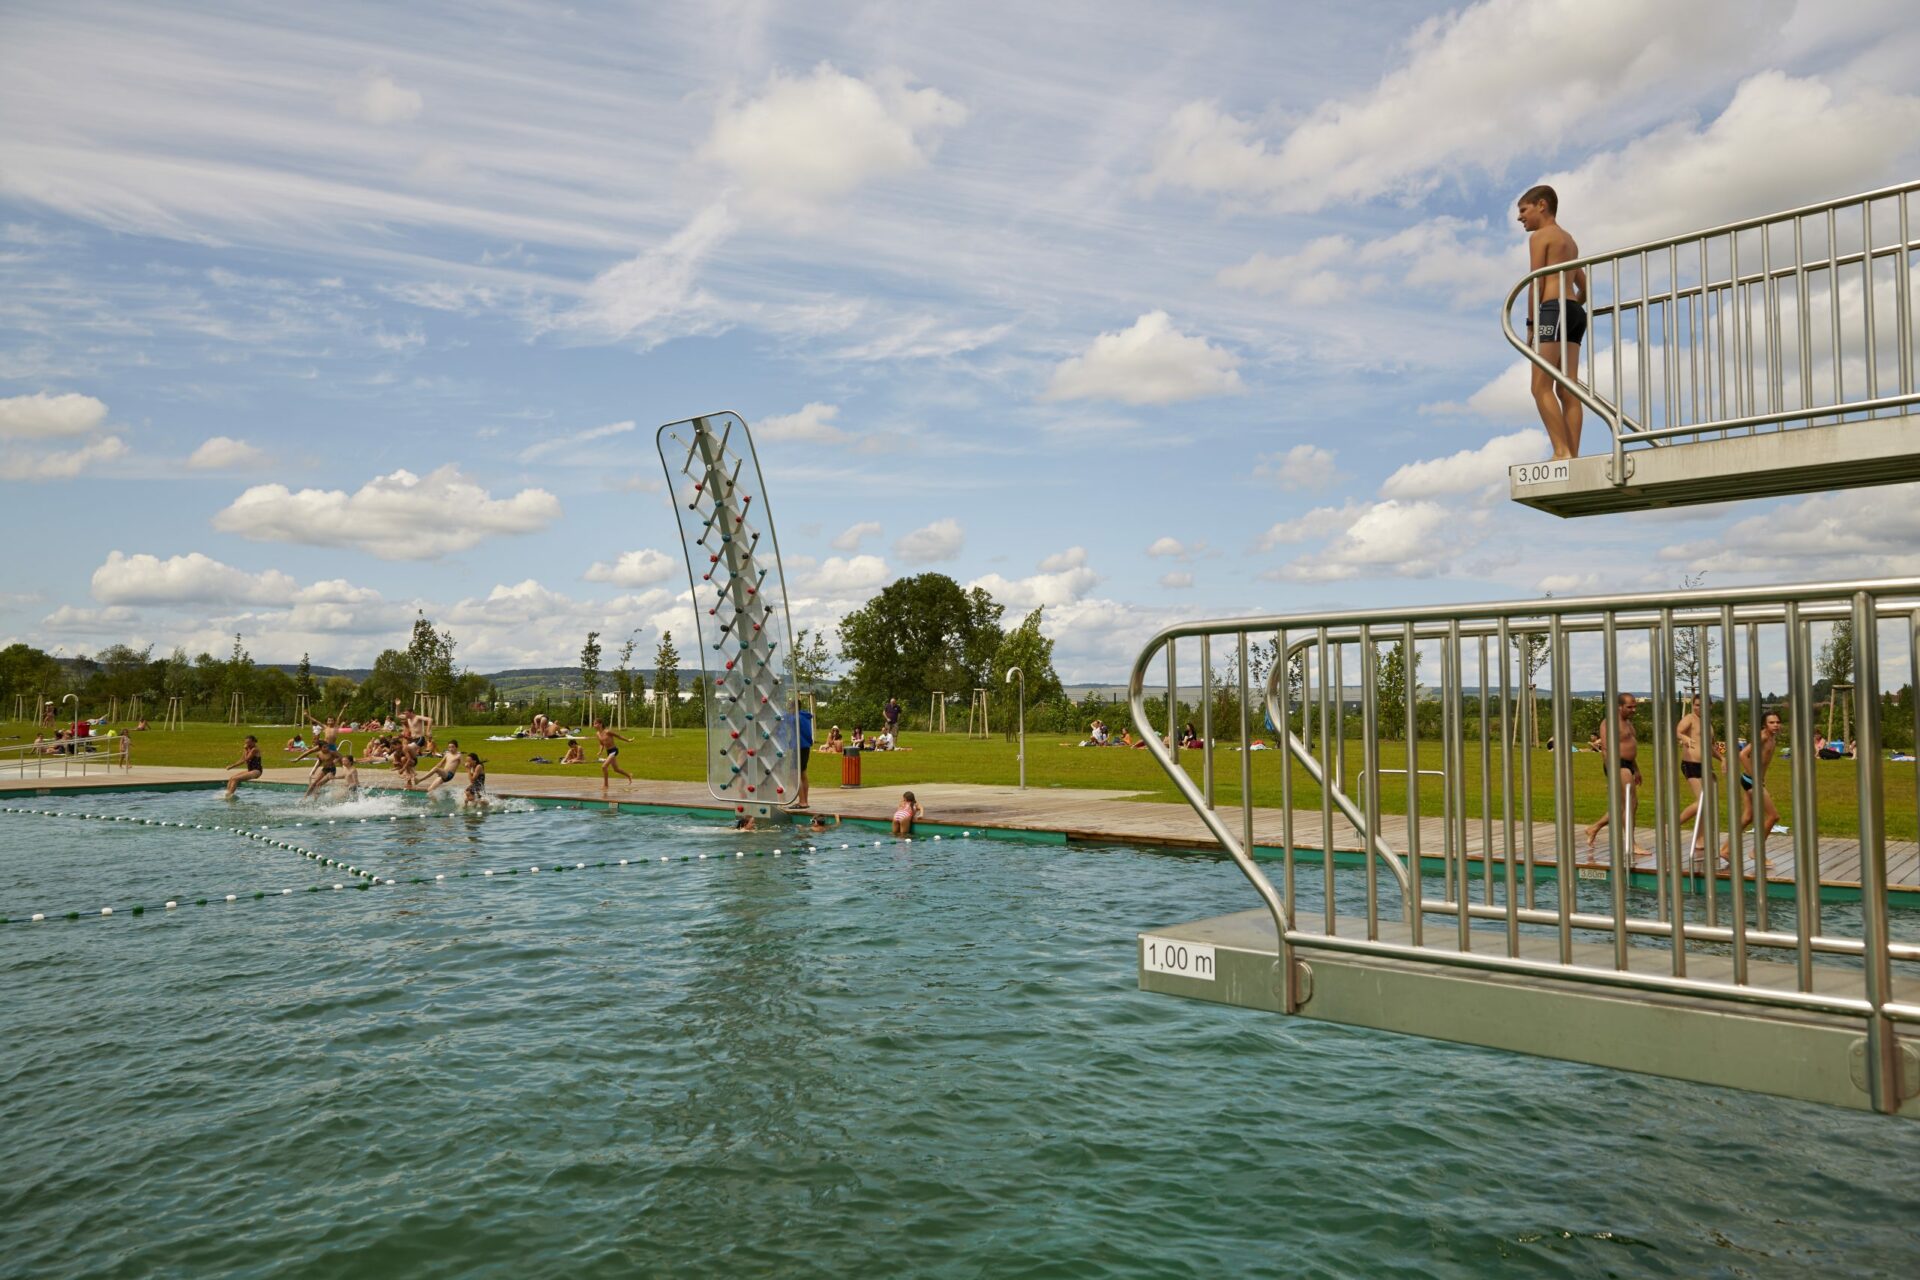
{"x": 903, "y": 814}
{"x": 1689, "y": 768}
{"x": 1628, "y": 765}
{"x": 1550, "y": 328}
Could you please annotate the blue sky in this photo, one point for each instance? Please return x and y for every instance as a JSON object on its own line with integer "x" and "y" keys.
{"x": 309, "y": 320}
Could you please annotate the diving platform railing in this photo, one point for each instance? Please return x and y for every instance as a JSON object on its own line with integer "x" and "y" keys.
{"x": 1769, "y": 356}
{"x": 66, "y": 756}
{"x": 1471, "y": 921}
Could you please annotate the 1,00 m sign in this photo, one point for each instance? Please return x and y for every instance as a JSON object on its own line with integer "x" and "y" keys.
{"x": 1181, "y": 959}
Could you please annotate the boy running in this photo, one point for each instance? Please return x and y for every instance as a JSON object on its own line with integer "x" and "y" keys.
{"x": 1562, "y": 320}
{"x": 610, "y": 754}
{"x": 1752, "y": 777}
{"x": 1629, "y": 770}
{"x": 248, "y": 763}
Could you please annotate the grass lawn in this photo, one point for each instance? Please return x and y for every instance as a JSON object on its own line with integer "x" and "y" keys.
{"x": 954, "y": 758}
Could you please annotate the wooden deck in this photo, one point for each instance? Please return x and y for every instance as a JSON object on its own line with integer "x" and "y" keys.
{"x": 1088, "y": 816}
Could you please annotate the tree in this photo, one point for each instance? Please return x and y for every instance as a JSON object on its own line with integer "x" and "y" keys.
{"x": 1836, "y": 655}
{"x": 1392, "y": 676}
{"x": 392, "y": 682}
{"x": 1027, "y": 648}
{"x": 1530, "y": 651}
{"x": 27, "y": 671}
{"x": 303, "y": 684}
{"x": 666, "y": 671}
{"x": 590, "y": 667}
{"x": 1695, "y": 665}
{"x": 623, "y": 674}
{"x": 430, "y": 657}
{"x": 919, "y": 634}
{"x": 812, "y": 664}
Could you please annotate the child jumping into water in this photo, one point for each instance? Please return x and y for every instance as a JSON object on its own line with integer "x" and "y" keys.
{"x": 476, "y": 780}
{"x": 249, "y": 763}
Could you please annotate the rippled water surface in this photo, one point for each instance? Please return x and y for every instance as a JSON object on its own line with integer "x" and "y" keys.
{"x": 925, "y": 1059}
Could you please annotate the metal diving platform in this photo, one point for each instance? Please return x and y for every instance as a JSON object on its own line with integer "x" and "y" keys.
{"x": 1761, "y": 358}
{"x": 1468, "y": 920}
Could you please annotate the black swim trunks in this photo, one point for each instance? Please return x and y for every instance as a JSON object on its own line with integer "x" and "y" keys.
{"x": 1689, "y": 768}
{"x": 806, "y": 758}
{"x": 1550, "y": 326}
{"x": 1628, "y": 766}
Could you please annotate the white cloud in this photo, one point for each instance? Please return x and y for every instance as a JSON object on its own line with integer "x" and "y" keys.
{"x": 811, "y": 422}
{"x": 1467, "y": 471}
{"x": 223, "y": 453}
{"x": 1178, "y": 580}
{"x": 1858, "y": 533}
{"x": 199, "y": 579}
{"x": 938, "y": 541}
{"x": 534, "y": 452}
{"x": 1442, "y": 110}
{"x": 1506, "y": 397}
{"x": 809, "y": 139}
{"x": 1172, "y": 547}
{"x": 1305, "y": 466}
{"x": 847, "y": 576}
{"x": 850, "y": 538}
{"x": 1460, "y": 259}
{"x": 1317, "y": 523}
{"x": 20, "y": 464}
{"x": 395, "y": 517}
{"x": 1782, "y": 141}
{"x": 43, "y": 417}
{"x": 640, "y": 568}
{"x": 1063, "y": 579}
{"x": 1149, "y": 363}
{"x": 1062, "y": 561}
{"x": 376, "y": 99}
{"x": 1386, "y": 539}
{"x": 70, "y": 619}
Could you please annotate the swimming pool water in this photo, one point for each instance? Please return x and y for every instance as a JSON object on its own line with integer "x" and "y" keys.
{"x": 925, "y": 1059}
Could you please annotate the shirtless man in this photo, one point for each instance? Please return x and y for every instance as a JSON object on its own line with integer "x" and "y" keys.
{"x": 1562, "y": 320}
{"x": 403, "y": 761}
{"x": 609, "y": 754}
{"x": 419, "y": 729}
{"x": 1689, "y": 732}
{"x": 248, "y": 764}
{"x": 449, "y": 765}
{"x": 326, "y": 766}
{"x": 1752, "y": 777}
{"x": 1629, "y": 770}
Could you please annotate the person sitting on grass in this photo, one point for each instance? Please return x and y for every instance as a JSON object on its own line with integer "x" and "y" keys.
{"x": 1188, "y": 738}
{"x": 574, "y": 754}
{"x": 885, "y": 741}
{"x": 835, "y": 743}
{"x": 142, "y": 726}
{"x": 907, "y": 814}
{"x": 295, "y": 743}
{"x": 859, "y": 740}
{"x": 248, "y": 764}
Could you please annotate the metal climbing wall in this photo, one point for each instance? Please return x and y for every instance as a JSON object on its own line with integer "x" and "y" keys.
{"x": 740, "y": 606}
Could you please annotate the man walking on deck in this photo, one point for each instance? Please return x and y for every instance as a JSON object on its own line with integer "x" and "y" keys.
{"x": 1629, "y": 779}
{"x": 1556, "y": 317}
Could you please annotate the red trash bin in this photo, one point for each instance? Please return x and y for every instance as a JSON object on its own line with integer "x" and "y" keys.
{"x": 850, "y": 767}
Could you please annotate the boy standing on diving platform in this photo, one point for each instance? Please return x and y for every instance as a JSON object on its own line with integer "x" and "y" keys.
{"x": 1557, "y": 324}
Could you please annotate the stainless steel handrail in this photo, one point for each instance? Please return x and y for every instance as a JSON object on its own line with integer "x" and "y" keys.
{"x": 1711, "y": 351}
{"x": 106, "y": 751}
{"x": 1746, "y": 624}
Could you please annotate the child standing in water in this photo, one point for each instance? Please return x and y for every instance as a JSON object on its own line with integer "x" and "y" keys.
{"x": 476, "y": 780}
{"x": 907, "y": 814}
